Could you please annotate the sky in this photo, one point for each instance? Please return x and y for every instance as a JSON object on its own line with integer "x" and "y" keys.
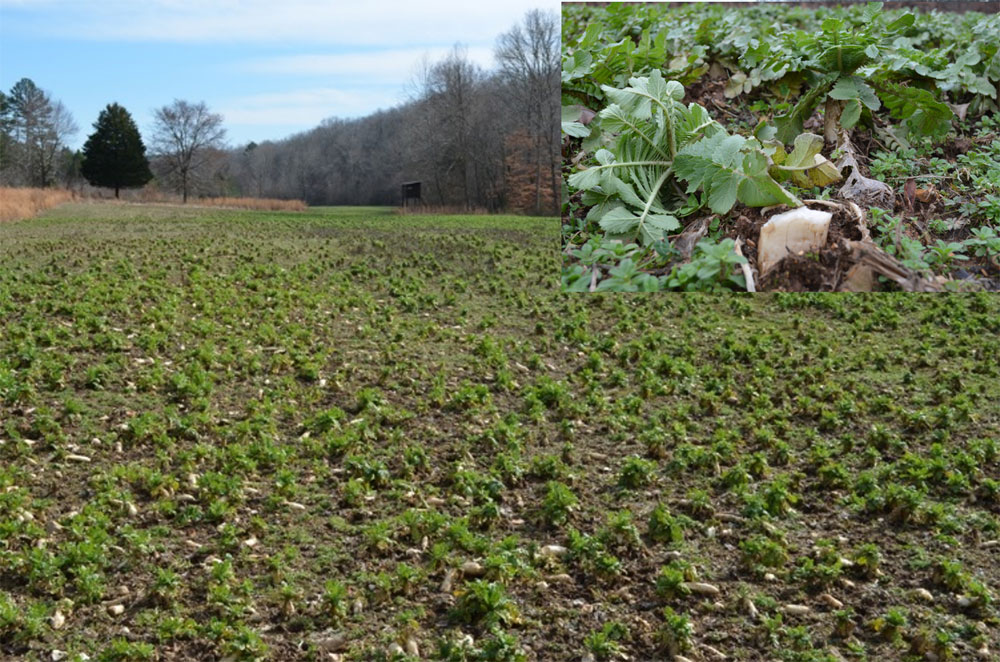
{"x": 271, "y": 68}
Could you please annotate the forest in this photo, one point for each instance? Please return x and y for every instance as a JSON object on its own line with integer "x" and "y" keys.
{"x": 477, "y": 139}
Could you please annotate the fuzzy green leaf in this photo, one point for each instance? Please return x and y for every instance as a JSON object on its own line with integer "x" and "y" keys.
{"x": 650, "y": 228}
{"x": 924, "y": 115}
{"x": 853, "y": 87}
{"x": 904, "y": 21}
{"x": 851, "y": 113}
{"x": 575, "y": 129}
{"x": 619, "y": 221}
{"x": 585, "y": 180}
{"x": 719, "y": 166}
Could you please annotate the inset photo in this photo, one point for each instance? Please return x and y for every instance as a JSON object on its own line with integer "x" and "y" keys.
{"x": 786, "y": 146}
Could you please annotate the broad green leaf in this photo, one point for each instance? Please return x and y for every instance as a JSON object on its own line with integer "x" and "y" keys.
{"x": 765, "y": 131}
{"x": 575, "y": 129}
{"x": 728, "y": 151}
{"x": 868, "y": 97}
{"x": 851, "y": 113}
{"x": 871, "y": 12}
{"x": 664, "y": 222}
{"x": 575, "y": 278}
{"x": 924, "y": 114}
{"x": 570, "y": 114}
{"x": 619, "y": 221}
{"x": 578, "y": 66}
{"x": 852, "y": 87}
{"x": 845, "y": 88}
{"x": 904, "y": 21}
{"x": 728, "y": 176}
{"x": 832, "y": 25}
{"x": 722, "y": 191}
{"x": 585, "y": 180}
{"x": 591, "y": 35}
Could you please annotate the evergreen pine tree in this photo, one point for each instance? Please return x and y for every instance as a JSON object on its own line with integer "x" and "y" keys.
{"x": 114, "y": 155}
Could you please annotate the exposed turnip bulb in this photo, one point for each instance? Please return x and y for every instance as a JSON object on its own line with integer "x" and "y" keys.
{"x": 797, "y": 231}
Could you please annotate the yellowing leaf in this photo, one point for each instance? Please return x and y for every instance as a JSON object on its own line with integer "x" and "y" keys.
{"x": 807, "y": 166}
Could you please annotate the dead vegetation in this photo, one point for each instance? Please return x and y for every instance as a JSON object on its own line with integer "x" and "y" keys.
{"x": 20, "y": 203}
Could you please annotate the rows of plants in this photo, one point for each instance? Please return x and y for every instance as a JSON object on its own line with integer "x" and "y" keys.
{"x": 675, "y": 114}
{"x": 248, "y": 436}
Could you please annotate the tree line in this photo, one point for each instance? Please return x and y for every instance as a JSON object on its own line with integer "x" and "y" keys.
{"x": 474, "y": 138}
{"x": 33, "y": 131}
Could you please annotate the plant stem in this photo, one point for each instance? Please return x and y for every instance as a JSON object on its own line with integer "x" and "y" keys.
{"x": 831, "y": 117}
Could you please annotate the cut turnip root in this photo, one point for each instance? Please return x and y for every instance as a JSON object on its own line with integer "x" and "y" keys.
{"x": 801, "y": 230}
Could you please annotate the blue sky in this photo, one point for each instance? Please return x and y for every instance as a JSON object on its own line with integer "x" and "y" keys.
{"x": 270, "y": 67}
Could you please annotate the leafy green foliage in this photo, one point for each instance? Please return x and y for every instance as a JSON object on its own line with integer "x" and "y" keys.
{"x": 656, "y": 141}
{"x": 731, "y": 168}
{"x": 923, "y": 115}
{"x": 486, "y": 603}
{"x": 849, "y": 65}
{"x": 114, "y": 155}
{"x": 712, "y": 268}
{"x": 913, "y": 80}
{"x": 806, "y": 166}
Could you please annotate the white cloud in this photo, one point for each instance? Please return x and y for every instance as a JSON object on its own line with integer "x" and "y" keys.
{"x": 306, "y": 107}
{"x": 287, "y": 21}
{"x": 383, "y": 66}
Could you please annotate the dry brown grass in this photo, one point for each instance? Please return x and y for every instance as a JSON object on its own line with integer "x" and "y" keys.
{"x": 19, "y": 203}
{"x": 258, "y": 204}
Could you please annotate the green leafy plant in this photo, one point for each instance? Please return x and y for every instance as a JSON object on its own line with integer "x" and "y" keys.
{"x": 485, "y": 603}
{"x": 850, "y": 73}
{"x": 636, "y": 472}
{"x": 676, "y": 634}
{"x": 603, "y": 643}
{"x": 713, "y": 268}
{"x": 559, "y": 501}
{"x": 657, "y": 141}
{"x": 664, "y": 527}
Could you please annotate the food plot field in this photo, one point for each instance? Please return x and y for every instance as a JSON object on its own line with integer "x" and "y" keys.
{"x": 348, "y": 435}
{"x": 687, "y": 128}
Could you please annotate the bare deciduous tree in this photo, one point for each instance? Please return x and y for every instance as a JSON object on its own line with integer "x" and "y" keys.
{"x": 186, "y": 140}
{"x": 449, "y": 89}
{"x": 530, "y": 61}
{"x": 59, "y": 126}
{"x": 475, "y": 139}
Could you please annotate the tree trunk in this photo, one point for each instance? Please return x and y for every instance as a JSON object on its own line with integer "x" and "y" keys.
{"x": 116, "y": 193}
{"x": 538, "y": 175}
